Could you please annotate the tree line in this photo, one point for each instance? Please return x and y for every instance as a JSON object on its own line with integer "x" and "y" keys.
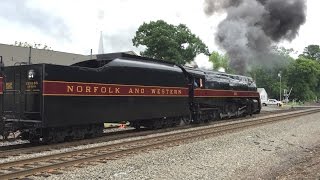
{"x": 301, "y": 74}
{"x": 165, "y": 41}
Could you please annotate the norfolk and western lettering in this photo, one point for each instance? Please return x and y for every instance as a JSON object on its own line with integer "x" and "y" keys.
{"x": 96, "y": 89}
{"x": 117, "y": 90}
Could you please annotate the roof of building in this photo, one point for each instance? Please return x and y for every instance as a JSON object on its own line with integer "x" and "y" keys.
{"x": 261, "y": 90}
{"x": 12, "y": 55}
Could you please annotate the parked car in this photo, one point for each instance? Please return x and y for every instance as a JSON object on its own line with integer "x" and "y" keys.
{"x": 272, "y": 102}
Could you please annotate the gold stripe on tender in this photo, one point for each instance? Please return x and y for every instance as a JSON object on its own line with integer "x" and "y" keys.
{"x": 225, "y": 96}
{"x": 114, "y": 95}
{"x": 224, "y": 90}
{"x": 66, "y": 82}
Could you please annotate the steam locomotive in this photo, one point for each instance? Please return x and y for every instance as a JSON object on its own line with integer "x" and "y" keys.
{"x": 55, "y": 103}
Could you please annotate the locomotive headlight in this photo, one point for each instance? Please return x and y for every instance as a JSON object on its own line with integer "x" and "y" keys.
{"x": 31, "y": 74}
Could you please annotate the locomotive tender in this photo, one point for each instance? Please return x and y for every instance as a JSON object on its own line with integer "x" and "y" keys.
{"x": 53, "y": 103}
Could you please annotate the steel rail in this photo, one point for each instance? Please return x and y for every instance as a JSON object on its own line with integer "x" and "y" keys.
{"x": 124, "y": 148}
{"x": 27, "y": 148}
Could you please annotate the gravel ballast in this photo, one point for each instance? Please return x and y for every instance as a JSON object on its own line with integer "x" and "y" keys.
{"x": 261, "y": 152}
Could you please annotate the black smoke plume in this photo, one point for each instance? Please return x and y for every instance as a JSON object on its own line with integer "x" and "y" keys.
{"x": 251, "y": 27}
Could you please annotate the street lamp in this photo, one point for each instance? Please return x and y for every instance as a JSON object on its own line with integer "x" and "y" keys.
{"x": 279, "y": 75}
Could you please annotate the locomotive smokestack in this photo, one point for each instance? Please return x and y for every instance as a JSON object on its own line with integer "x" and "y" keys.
{"x": 252, "y": 26}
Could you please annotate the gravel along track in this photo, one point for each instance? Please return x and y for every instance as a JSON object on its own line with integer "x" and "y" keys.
{"x": 103, "y": 154}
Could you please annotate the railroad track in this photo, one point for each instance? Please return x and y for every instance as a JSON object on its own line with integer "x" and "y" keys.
{"x": 26, "y": 167}
{"x": 27, "y": 148}
{"x": 12, "y": 139}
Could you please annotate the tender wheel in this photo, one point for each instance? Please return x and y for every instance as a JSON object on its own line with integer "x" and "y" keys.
{"x": 136, "y": 125}
{"x": 157, "y": 124}
{"x": 186, "y": 120}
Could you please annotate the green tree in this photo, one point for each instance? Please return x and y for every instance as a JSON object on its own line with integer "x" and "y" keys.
{"x": 282, "y": 51}
{"x": 280, "y": 57}
{"x": 311, "y": 52}
{"x": 303, "y": 76}
{"x": 266, "y": 76}
{"x": 220, "y": 61}
{"x": 269, "y": 79}
{"x": 168, "y": 42}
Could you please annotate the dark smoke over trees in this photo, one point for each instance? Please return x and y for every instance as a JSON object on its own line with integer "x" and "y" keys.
{"x": 251, "y": 27}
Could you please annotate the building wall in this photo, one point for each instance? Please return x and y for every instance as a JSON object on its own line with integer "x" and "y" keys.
{"x": 15, "y": 54}
{"x": 263, "y": 94}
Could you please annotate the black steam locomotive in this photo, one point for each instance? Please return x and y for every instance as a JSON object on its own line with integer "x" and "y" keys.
{"x": 52, "y": 103}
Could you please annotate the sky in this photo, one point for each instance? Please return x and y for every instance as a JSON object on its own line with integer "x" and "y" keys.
{"x": 75, "y": 26}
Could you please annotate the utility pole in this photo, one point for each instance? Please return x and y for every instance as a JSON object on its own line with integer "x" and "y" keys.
{"x": 280, "y": 86}
{"x": 29, "y": 62}
{"x": 1, "y": 64}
